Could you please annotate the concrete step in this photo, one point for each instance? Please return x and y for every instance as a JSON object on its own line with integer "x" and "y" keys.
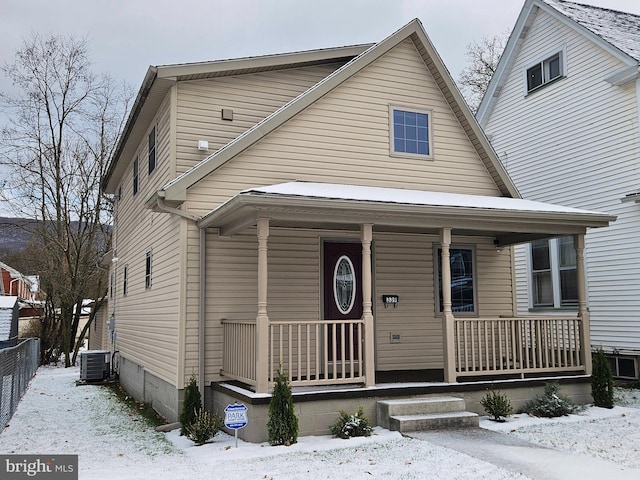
{"x": 412, "y": 406}
{"x": 431, "y": 413}
{"x": 434, "y": 421}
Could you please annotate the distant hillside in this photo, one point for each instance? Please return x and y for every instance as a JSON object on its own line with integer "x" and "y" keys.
{"x": 14, "y": 234}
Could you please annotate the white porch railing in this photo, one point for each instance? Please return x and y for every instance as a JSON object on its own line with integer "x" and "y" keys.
{"x": 517, "y": 345}
{"x": 239, "y": 350}
{"x": 323, "y": 352}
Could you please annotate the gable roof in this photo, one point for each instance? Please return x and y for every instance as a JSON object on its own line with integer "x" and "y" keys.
{"x": 616, "y": 32}
{"x": 175, "y": 191}
{"x": 159, "y": 79}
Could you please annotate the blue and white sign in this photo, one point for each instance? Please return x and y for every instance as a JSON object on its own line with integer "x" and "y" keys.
{"x": 235, "y": 416}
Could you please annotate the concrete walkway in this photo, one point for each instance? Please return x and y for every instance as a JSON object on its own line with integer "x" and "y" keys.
{"x": 520, "y": 456}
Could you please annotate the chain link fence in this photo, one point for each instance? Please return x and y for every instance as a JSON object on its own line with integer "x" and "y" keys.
{"x": 17, "y": 366}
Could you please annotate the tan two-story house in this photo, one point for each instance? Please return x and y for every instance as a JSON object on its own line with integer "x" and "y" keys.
{"x": 336, "y": 212}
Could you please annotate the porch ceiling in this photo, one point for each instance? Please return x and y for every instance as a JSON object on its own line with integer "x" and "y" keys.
{"x": 346, "y": 207}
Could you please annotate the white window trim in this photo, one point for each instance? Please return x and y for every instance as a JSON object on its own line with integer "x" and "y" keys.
{"x": 554, "y": 265}
{"x": 407, "y": 108}
{"x": 543, "y": 58}
{"x": 436, "y": 283}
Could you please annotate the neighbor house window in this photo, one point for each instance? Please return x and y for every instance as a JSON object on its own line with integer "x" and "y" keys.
{"x": 544, "y": 72}
{"x": 463, "y": 297}
{"x": 410, "y": 132}
{"x": 152, "y": 150}
{"x": 125, "y": 280}
{"x": 147, "y": 272}
{"x": 554, "y": 281}
{"x": 135, "y": 176}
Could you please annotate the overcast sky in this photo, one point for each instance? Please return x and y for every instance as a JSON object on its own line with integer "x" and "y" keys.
{"x": 126, "y": 36}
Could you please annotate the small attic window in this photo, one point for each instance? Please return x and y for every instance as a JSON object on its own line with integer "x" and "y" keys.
{"x": 410, "y": 132}
{"x": 545, "y": 72}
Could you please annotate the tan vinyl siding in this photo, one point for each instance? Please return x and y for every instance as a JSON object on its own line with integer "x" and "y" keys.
{"x": 344, "y": 137}
{"x": 576, "y": 142}
{"x": 403, "y": 265}
{"x": 147, "y": 319}
{"x": 251, "y": 97}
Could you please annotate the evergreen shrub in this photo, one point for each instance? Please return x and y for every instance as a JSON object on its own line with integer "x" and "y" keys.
{"x": 282, "y": 427}
{"x": 497, "y": 405}
{"x": 551, "y": 403}
{"x": 602, "y": 381}
{"x": 204, "y": 427}
{"x": 352, "y": 425}
{"x": 191, "y": 405}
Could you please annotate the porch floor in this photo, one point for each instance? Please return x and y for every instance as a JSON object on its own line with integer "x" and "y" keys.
{"x": 393, "y": 389}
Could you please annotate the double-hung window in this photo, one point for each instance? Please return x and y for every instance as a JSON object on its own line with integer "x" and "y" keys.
{"x": 125, "y": 280}
{"x": 152, "y": 150}
{"x": 463, "y": 295}
{"x": 553, "y": 273}
{"x": 136, "y": 176}
{"x": 410, "y": 132}
{"x": 544, "y": 72}
{"x": 148, "y": 269}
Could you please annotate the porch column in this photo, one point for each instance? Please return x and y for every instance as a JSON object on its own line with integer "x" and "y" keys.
{"x": 583, "y": 313}
{"x": 367, "y": 313}
{"x": 447, "y": 314}
{"x": 262, "y": 320}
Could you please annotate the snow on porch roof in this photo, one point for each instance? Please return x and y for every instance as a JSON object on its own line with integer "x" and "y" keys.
{"x": 415, "y": 197}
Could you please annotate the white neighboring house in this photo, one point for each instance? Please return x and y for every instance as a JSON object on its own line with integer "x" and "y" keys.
{"x": 562, "y": 113}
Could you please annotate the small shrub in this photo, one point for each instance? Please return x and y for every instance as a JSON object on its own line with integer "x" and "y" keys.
{"x": 355, "y": 425}
{"x": 602, "y": 381}
{"x": 497, "y": 405}
{"x": 204, "y": 427}
{"x": 191, "y": 405}
{"x": 550, "y": 404}
{"x": 282, "y": 427}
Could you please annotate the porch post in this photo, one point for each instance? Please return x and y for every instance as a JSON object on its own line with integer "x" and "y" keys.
{"x": 262, "y": 320}
{"x": 447, "y": 314}
{"x": 367, "y": 313}
{"x": 583, "y": 313}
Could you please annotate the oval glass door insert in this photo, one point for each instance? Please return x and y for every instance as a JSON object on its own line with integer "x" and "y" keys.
{"x": 344, "y": 284}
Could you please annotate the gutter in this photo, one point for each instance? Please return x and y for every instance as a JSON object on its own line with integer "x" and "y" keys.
{"x": 202, "y": 258}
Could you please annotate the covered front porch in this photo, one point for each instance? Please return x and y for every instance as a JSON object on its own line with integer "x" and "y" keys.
{"x": 334, "y": 352}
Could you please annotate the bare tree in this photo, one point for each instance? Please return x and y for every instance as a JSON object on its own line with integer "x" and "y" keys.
{"x": 482, "y": 61}
{"x": 62, "y": 128}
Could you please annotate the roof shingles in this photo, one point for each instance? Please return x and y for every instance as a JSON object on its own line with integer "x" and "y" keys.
{"x": 620, "y": 29}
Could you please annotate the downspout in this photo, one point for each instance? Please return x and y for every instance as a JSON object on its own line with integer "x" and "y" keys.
{"x": 163, "y": 207}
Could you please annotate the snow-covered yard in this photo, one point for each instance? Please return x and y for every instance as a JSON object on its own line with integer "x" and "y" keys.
{"x": 56, "y": 417}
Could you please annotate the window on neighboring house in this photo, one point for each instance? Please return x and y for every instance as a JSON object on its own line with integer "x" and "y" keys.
{"x": 147, "y": 273}
{"x": 135, "y": 175}
{"x": 125, "y": 280}
{"x": 152, "y": 150}
{"x": 553, "y": 273}
{"x": 119, "y": 197}
{"x": 463, "y": 297}
{"x": 410, "y": 132}
{"x": 544, "y": 72}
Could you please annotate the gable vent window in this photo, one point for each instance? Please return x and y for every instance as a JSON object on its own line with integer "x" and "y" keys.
{"x": 544, "y": 72}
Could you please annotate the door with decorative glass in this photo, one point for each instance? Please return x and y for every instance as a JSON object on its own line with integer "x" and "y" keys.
{"x": 342, "y": 297}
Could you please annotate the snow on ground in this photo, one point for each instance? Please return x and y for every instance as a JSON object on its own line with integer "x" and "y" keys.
{"x": 56, "y": 417}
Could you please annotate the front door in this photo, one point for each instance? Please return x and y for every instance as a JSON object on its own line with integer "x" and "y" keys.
{"x": 342, "y": 294}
